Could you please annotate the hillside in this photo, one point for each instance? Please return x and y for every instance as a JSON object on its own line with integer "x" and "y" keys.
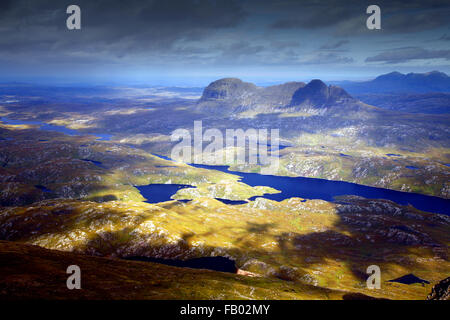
{"x": 430, "y": 103}
{"x": 307, "y": 245}
{"x": 31, "y": 272}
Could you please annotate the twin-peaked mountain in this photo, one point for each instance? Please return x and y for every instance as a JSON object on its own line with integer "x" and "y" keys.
{"x": 233, "y": 95}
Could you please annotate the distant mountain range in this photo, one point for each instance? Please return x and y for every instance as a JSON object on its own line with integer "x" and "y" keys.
{"x": 412, "y": 92}
{"x": 396, "y": 82}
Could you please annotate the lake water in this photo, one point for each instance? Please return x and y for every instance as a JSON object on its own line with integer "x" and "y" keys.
{"x": 409, "y": 279}
{"x": 309, "y": 188}
{"x": 393, "y": 155}
{"x": 51, "y": 127}
{"x": 233, "y": 202}
{"x": 221, "y": 264}
{"x": 155, "y": 193}
{"x": 313, "y": 188}
{"x": 97, "y": 163}
{"x": 43, "y": 188}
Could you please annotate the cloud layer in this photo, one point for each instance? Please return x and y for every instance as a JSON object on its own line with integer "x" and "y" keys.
{"x": 139, "y": 37}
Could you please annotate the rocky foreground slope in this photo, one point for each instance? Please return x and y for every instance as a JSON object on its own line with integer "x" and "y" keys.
{"x": 31, "y": 272}
{"x": 441, "y": 291}
{"x": 315, "y": 243}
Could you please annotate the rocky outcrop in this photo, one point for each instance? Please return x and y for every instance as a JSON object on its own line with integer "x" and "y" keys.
{"x": 228, "y": 89}
{"x": 440, "y": 291}
{"x": 318, "y": 95}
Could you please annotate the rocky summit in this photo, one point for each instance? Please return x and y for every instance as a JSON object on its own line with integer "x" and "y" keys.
{"x": 318, "y": 94}
{"x": 232, "y": 95}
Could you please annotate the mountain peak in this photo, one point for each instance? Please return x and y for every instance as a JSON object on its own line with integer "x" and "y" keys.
{"x": 227, "y": 88}
{"x": 436, "y": 73}
{"x": 317, "y": 94}
{"x": 316, "y": 84}
{"x": 227, "y": 80}
{"x": 395, "y": 75}
{"x": 396, "y": 82}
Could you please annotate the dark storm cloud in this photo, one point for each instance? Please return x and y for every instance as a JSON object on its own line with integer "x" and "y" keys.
{"x": 157, "y": 35}
{"x": 201, "y": 14}
{"x": 401, "y": 55}
{"x": 5, "y": 5}
{"x": 414, "y": 21}
{"x": 348, "y": 18}
{"x": 121, "y": 25}
{"x": 134, "y": 26}
{"x": 315, "y": 16}
{"x": 119, "y": 13}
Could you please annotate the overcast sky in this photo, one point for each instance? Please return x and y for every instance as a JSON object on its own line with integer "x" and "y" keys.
{"x": 191, "y": 42}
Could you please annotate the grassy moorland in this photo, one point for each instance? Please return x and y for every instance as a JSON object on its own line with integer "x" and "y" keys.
{"x": 77, "y": 194}
{"x": 349, "y": 143}
{"x": 37, "y": 273}
{"x": 317, "y": 243}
